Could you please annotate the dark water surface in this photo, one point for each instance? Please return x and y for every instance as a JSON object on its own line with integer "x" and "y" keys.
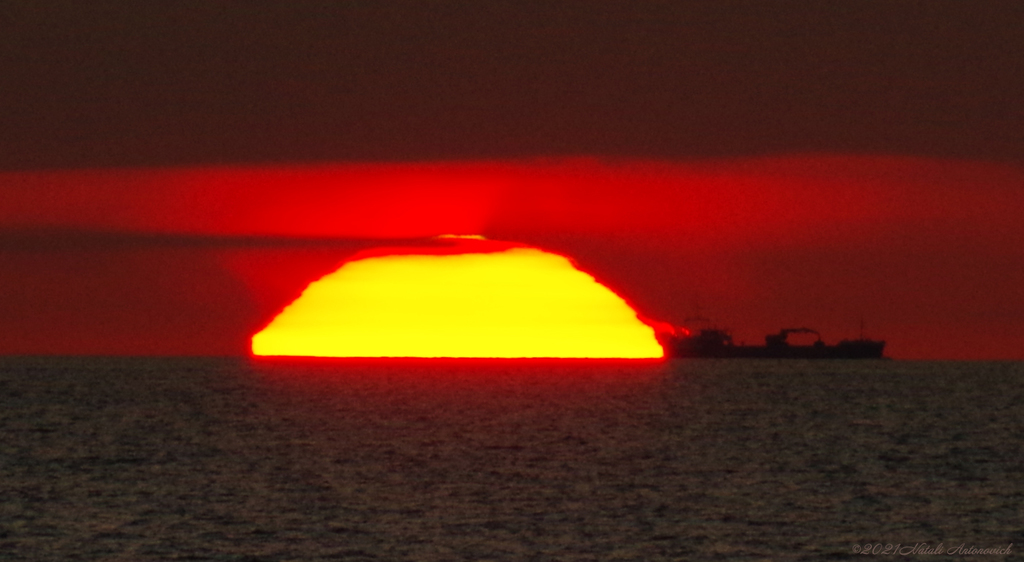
{"x": 219, "y": 459}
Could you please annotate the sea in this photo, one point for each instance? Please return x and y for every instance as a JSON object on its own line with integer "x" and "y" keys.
{"x": 239, "y": 459}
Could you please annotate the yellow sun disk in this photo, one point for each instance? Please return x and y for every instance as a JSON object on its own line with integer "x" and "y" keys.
{"x": 521, "y": 302}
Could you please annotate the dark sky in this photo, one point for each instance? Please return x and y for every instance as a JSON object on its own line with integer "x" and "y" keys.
{"x": 118, "y": 83}
{"x": 166, "y": 166}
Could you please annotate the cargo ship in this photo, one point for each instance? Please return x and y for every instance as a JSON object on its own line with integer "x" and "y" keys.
{"x": 716, "y": 343}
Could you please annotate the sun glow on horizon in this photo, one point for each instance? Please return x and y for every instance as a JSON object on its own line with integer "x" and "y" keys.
{"x": 520, "y": 302}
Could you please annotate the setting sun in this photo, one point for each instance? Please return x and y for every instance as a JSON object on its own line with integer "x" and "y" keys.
{"x": 517, "y": 302}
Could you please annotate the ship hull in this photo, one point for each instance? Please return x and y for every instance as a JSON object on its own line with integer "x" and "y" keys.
{"x": 789, "y": 352}
{"x": 703, "y": 347}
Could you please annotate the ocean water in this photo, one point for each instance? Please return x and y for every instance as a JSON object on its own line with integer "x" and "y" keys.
{"x": 231, "y": 459}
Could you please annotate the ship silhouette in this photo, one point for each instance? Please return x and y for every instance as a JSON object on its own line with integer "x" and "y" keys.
{"x": 718, "y": 343}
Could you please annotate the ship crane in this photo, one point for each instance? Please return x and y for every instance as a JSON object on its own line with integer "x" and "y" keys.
{"x": 779, "y": 339}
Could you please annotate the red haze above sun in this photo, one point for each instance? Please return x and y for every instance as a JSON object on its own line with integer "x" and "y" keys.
{"x": 926, "y": 251}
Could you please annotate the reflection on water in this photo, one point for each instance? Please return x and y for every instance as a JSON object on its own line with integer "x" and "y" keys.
{"x": 240, "y": 460}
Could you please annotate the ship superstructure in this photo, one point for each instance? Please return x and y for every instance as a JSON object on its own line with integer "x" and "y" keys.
{"x": 715, "y": 342}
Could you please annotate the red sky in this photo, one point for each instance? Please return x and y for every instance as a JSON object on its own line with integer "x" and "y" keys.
{"x": 171, "y": 173}
{"x": 192, "y": 261}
